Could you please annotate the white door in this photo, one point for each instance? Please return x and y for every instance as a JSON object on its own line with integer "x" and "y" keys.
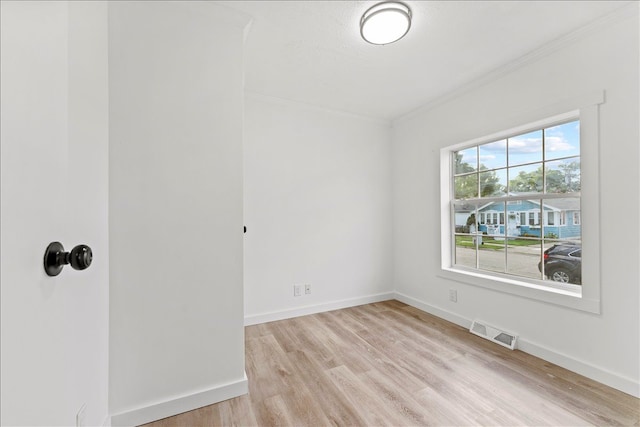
{"x": 54, "y": 159}
{"x": 512, "y": 224}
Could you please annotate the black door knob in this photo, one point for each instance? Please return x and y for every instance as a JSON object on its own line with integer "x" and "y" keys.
{"x": 55, "y": 258}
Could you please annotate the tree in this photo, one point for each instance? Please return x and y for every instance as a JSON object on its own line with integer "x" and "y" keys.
{"x": 489, "y": 183}
{"x": 565, "y": 179}
{"x": 462, "y": 167}
{"x": 527, "y": 182}
{"x": 471, "y": 220}
{"x": 571, "y": 173}
{"x": 466, "y": 186}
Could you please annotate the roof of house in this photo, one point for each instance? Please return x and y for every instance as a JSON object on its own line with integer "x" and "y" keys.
{"x": 568, "y": 204}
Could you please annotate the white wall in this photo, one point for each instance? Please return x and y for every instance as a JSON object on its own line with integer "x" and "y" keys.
{"x": 317, "y": 199}
{"x": 54, "y": 188}
{"x": 605, "y": 346}
{"x": 176, "y": 95}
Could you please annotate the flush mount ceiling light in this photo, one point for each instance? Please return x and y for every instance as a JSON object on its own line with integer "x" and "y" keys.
{"x": 385, "y": 22}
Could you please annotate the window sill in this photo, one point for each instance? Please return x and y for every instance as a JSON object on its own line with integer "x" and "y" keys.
{"x": 571, "y": 297}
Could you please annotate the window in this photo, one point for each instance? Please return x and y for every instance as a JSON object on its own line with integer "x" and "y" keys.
{"x": 576, "y": 218}
{"x": 492, "y": 180}
{"x": 536, "y": 172}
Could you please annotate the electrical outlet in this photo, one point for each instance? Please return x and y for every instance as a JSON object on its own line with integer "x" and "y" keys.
{"x": 81, "y": 419}
{"x": 453, "y": 295}
{"x": 297, "y": 290}
{"x": 307, "y": 289}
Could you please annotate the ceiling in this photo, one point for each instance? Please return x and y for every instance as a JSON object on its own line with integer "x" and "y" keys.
{"x": 312, "y": 52}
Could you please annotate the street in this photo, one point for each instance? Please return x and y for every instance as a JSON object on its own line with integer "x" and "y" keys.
{"x": 519, "y": 260}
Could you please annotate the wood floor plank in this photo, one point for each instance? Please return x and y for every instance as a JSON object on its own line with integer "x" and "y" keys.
{"x": 206, "y": 416}
{"x": 275, "y": 382}
{"x": 344, "y": 345}
{"x": 327, "y": 396}
{"x": 441, "y": 411}
{"x": 389, "y": 364}
{"x": 366, "y": 402}
{"x": 235, "y": 412}
{"x": 396, "y": 372}
{"x": 273, "y": 411}
{"x": 267, "y": 365}
{"x": 395, "y": 398}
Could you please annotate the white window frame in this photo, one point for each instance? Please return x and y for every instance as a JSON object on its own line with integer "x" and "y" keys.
{"x": 576, "y": 215}
{"x": 585, "y": 297}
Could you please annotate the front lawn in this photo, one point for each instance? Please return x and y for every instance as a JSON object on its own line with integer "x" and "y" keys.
{"x": 489, "y": 242}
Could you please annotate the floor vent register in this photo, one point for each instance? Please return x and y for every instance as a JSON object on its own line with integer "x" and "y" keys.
{"x": 495, "y": 335}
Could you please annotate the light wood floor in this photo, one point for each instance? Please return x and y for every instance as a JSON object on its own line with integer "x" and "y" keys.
{"x": 389, "y": 364}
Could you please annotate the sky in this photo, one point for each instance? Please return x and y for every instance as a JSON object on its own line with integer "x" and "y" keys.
{"x": 559, "y": 142}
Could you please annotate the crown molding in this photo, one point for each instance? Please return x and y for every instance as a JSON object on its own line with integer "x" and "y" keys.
{"x": 316, "y": 108}
{"x": 628, "y": 11}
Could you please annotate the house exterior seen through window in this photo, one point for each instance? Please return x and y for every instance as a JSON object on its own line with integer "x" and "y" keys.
{"x": 515, "y": 206}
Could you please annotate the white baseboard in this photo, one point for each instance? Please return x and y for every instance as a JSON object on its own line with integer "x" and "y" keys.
{"x": 181, "y": 404}
{"x": 443, "y": 314}
{"x": 317, "y": 308}
{"x": 595, "y": 373}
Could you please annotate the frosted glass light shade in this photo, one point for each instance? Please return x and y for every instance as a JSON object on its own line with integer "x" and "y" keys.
{"x": 385, "y": 22}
